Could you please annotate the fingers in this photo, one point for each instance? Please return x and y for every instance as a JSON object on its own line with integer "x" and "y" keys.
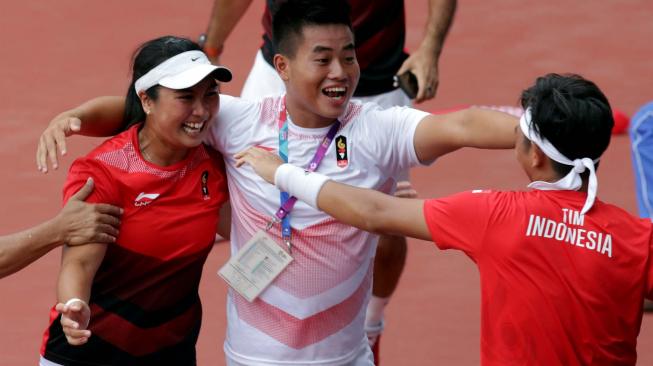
{"x": 110, "y": 220}
{"x": 40, "y": 156}
{"x": 83, "y": 193}
{"x": 55, "y": 137}
{"x": 426, "y": 90}
{"x": 60, "y": 307}
{"x": 108, "y": 209}
{"x": 46, "y": 149}
{"x": 51, "y": 151}
{"x": 74, "y": 335}
{"x": 105, "y": 234}
{"x": 424, "y": 87}
{"x": 247, "y": 155}
{"x": 60, "y": 140}
{"x": 67, "y": 322}
{"x": 405, "y": 190}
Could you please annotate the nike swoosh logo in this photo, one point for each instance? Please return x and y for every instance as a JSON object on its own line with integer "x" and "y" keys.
{"x": 194, "y": 59}
{"x": 143, "y": 195}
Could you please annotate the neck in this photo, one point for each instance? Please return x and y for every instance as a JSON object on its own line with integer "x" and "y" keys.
{"x": 306, "y": 119}
{"x": 156, "y": 151}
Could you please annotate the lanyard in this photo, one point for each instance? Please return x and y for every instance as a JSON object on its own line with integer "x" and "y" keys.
{"x": 288, "y": 202}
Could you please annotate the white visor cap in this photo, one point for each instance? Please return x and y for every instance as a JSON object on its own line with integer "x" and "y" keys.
{"x": 182, "y": 71}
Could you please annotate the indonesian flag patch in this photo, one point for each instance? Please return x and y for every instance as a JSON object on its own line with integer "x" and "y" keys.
{"x": 341, "y": 151}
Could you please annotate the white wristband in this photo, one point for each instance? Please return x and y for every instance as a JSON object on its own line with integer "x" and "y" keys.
{"x": 300, "y": 183}
{"x": 71, "y": 301}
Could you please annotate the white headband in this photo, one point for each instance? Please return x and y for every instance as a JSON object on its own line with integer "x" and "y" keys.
{"x": 571, "y": 181}
{"x": 182, "y": 71}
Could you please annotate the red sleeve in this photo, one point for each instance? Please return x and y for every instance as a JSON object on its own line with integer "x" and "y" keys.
{"x": 459, "y": 221}
{"x": 104, "y": 190}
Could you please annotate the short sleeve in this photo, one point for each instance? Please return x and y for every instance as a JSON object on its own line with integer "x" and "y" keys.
{"x": 232, "y": 125}
{"x": 391, "y": 133}
{"x": 459, "y": 221}
{"x": 104, "y": 191}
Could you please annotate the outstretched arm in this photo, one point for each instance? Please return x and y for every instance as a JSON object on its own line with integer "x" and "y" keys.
{"x": 365, "y": 209}
{"x": 423, "y": 62}
{"x": 100, "y": 116}
{"x": 77, "y": 223}
{"x": 224, "y": 17}
{"x": 374, "y": 211}
{"x": 437, "y": 135}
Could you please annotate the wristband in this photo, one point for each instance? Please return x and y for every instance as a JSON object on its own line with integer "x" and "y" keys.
{"x": 300, "y": 183}
{"x": 71, "y": 301}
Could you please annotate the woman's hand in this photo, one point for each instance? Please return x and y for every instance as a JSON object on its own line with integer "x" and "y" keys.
{"x": 54, "y": 138}
{"x": 265, "y": 163}
{"x": 74, "y": 321}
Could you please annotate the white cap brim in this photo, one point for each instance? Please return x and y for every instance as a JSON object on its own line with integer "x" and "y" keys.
{"x": 182, "y": 71}
{"x": 190, "y": 77}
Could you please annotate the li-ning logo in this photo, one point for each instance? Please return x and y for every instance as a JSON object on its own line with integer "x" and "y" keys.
{"x": 144, "y": 199}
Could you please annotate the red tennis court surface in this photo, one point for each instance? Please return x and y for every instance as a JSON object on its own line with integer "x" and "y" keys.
{"x": 59, "y": 53}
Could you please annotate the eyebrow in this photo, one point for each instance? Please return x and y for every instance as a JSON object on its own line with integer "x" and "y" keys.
{"x": 318, "y": 49}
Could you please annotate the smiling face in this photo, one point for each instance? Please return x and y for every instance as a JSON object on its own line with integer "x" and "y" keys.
{"x": 179, "y": 119}
{"x": 322, "y": 74}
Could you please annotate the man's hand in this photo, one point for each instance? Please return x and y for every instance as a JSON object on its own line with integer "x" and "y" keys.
{"x": 424, "y": 64}
{"x": 54, "y": 137}
{"x": 85, "y": 223}
{"x": 265, "y": 163}
{"x": 74, "y": 321}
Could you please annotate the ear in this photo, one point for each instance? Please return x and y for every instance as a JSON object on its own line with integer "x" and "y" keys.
{"x": 282, "y": 65}
{"x": 538, "y": 158}
{"x": 146, "y": 102}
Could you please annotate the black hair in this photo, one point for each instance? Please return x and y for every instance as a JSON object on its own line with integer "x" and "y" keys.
{"x": 572, "y": 113}
{"x": 145, "y": 58}
{"x": 289, "y": 18}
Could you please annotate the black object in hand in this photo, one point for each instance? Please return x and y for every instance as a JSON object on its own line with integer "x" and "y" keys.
{"x": 408, "y": 83}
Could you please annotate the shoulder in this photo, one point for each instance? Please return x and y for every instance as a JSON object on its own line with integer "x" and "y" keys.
{"x": 235, "y": 110}
{"x": 234, "y": 105}
{"x": 118, "y": 142}
{"x": 618, "y": 215}
{"x": 370, "y": 112}
{"x": 479, "y": 201}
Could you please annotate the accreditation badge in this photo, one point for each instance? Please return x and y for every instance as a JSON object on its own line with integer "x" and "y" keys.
{"x": 255, "y": 266}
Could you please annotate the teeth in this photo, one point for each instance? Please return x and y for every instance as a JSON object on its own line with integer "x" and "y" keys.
{"x": 335, "y": 90}
{"x": 195, "y": 126}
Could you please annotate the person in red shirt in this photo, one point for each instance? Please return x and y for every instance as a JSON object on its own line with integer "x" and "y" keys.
{"x": 136, "y": 302}
{"x": 563, "y": 274}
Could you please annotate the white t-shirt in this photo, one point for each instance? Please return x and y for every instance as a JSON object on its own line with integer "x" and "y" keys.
{"x": 313, "y": 312}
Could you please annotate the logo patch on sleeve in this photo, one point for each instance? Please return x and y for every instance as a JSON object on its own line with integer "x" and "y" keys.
{"x": 341, "y": 151}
